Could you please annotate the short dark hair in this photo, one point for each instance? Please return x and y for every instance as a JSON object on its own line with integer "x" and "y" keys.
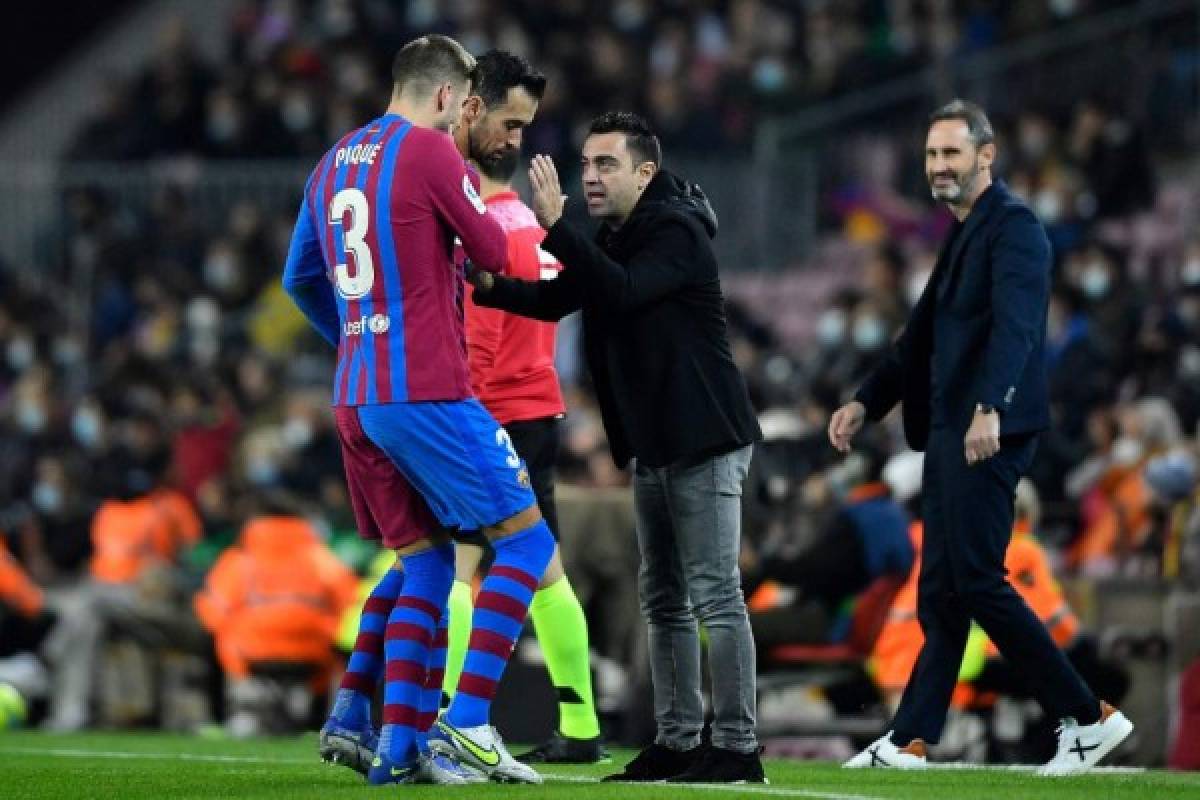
{"x": 497, "y": 71}
{"x": 639, "y": 138}
{"x": 430, "y": 61}
{"x": 978, "y": 126}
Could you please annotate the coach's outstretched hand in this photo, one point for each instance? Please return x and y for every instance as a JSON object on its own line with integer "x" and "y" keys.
{"x": 548, "y": 199}
{"x": 481, "y": 279}
{"x": 845, "y": 423}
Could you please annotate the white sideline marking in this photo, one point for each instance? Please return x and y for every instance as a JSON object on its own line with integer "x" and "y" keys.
{"x": 741, "y": 788}
{"x": 776, "y": 791}
{"x": 69, "y": 753}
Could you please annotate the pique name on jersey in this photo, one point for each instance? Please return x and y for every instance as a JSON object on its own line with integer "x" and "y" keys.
{"x": 376, "y": 323}
{"x": 359, "y": 154}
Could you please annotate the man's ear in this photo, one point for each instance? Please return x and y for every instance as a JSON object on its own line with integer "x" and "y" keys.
{"x": 473, "y": 109}
{"x": 445, "y": 93}
{"x": 646, "y": 171}
{"x": 987, "y": 154}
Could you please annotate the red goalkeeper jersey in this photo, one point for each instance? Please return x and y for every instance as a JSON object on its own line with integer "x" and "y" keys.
{"x": 511, "y": 358}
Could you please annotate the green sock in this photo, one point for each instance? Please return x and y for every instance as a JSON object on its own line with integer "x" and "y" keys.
{"x": 460, "y": 608}
{"x": 562, "y": 633}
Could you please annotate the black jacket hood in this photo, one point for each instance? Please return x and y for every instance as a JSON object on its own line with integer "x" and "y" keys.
{"x": 668, "y": 194}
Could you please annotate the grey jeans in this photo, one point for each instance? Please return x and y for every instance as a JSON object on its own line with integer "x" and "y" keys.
{"x": 689, "y": 534}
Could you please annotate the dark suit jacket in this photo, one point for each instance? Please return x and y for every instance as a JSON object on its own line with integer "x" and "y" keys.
{"x": 653, "y": 326}
{"x": 978, "y": 330}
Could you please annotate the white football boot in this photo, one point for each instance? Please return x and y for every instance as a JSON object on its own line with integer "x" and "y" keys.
{"x": 482, "y": 749}
{"x": 882, "y": 754}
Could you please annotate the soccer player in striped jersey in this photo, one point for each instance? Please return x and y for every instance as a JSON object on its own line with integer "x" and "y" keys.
{"x": 370, "y": 266}
{"x": 511, "y": 360}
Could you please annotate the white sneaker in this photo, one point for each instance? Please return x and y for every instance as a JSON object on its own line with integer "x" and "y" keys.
{"x": 480, "y": 748}
{"x": 883, "y": 754}
{"x": 1080, "y": 747}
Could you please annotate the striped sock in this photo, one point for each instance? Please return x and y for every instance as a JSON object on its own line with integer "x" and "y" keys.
{"x": 500, "y": 611}
{"x": 410, "y": 632}
{"x": 352, "y": 704}
{"x": 431, "y": 694}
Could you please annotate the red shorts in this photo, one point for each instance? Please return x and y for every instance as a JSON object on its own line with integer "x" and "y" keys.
{"x": 386, "y": 506}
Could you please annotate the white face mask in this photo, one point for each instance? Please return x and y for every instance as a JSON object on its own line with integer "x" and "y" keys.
{"x": 1048, "y": 205}
{"x": 869, "y": 333}
{"x": 831, "y": 327}
{"x": 1190, "y": 274}
{"x": 46, "y": 497}
{"x": 296, "y": 433}
{"x": 1127, "y": 451}
{"x": 20, "y": 353}
{"x": 1095, "y": 281}
{"x": 31, "y": 417}
{"x": 85, "y": 424}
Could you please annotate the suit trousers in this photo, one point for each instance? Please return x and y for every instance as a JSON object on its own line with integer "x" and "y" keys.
{"x": 968, "y": 516}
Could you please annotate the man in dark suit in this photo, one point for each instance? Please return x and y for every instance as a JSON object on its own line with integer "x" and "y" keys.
{"x": 969, "y": 370}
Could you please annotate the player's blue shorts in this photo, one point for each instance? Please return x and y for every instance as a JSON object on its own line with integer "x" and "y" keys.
{"x": 456, "y": 455}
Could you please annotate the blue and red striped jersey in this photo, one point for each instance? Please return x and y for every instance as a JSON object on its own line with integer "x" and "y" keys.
{"x": 371, "y": 261}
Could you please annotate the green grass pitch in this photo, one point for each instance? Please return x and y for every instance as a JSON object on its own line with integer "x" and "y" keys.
{"x": 132, "y": 766}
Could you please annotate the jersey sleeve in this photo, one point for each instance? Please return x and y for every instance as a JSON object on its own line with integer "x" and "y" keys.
{"x": 305, "y": 281}
{"x": 456, "y": 200}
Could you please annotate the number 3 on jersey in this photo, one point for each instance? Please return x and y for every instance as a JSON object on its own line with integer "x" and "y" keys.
{"x": 353, "y": 243}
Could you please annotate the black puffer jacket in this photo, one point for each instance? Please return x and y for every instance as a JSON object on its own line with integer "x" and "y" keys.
{"x": 654, "y": 326}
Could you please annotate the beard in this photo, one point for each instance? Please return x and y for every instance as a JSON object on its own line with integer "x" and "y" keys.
{"x": 501, "y": 166}
{"x": 960, "y": 188}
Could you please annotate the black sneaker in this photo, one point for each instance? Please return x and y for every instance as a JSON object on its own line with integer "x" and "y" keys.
{"x": 718, "y": 765}
{"x": 559, "y": 749}
{"x": 657, "y": 763}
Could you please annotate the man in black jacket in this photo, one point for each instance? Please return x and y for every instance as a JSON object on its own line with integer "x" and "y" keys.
{"x": 970, "y": 372}
{"x": 671, "y": 398}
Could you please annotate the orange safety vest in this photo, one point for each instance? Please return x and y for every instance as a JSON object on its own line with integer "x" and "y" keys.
{"x": 899, "y": 643}
{"x": 17, "y": 590}
{"x": 1122, "y": 526}
{"x": 277, "y": 595}
{"x": 130, "y": 535}
{"x": 1029, "y": 572}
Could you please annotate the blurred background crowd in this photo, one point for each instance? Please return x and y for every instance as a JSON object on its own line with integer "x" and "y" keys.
{"x": 158, "y": 392}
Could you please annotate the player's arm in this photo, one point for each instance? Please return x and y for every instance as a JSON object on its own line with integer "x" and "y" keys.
{"x": 305, "y": 281}
{"x": 1020, "y": 293}
{"x": 456, "y": 199}
{"x": 661, "y": 268}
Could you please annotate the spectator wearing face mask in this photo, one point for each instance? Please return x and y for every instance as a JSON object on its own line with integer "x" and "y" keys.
{"x": 1111, "y": 301}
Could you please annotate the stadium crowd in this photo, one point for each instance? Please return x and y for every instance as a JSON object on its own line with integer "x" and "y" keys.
{"x": 299, "y": 72}
{"x": 136, "y": 451}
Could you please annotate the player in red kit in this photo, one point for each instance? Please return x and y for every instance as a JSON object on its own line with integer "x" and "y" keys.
{"x": 511, "y": 360}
